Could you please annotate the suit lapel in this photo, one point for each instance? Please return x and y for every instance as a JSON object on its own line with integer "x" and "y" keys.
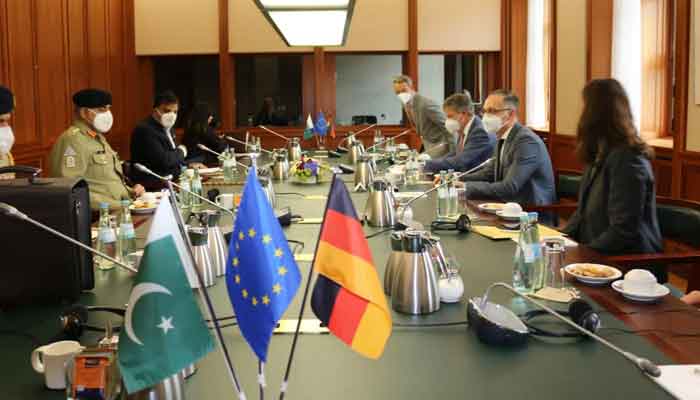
{"x": 588, "y": 180}
{"x": 507, "y": 150}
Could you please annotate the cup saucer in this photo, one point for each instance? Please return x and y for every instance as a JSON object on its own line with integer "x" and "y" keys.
{"x": 659, "y": 292}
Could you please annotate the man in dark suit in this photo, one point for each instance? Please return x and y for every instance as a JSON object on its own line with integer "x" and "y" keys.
{"x": 153, "y": 142}
{"x": 520, "y": 170}
{"x": 474, "y": 144}
{"x": 427, "y": 118}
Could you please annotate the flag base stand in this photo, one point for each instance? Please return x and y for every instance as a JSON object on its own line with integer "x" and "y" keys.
{"x": 308, "y": 326}
{"x": 172, "y": 388}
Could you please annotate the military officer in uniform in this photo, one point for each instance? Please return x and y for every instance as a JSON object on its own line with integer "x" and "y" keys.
{"x": 82, "y": 151}
{"x": 7, "y": 138}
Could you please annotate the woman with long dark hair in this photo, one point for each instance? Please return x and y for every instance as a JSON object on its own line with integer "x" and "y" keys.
{"x": 617, "y": 200}
{"x": 199, "y": 131}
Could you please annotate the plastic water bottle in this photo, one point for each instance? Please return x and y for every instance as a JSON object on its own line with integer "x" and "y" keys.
{"x": 453, "y": 204}
{"x": 528, "y": 263}
{"x": 185, "y": 197}
{"x": 127, "y": 235}
{"x": 106, "y": 240}
{"x": 197, "y": 190}
{"x": 443, "y": 194}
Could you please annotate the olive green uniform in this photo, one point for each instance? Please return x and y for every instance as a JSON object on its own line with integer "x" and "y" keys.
{"x": 79, "y": 152}
{"x": 6, "y": 161}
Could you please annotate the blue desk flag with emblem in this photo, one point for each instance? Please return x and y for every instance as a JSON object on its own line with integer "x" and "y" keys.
{"x": 261, "y": 274}
{"x": 321, "y": 127}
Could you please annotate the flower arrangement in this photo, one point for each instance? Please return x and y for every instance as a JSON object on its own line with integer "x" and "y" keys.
{"x": 308, "y": 170}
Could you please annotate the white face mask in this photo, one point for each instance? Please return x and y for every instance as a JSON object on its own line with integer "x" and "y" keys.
{"x": 452, "y": 126}
{"x": 405, "y": 97}
{"x": 168, "y": 119}
{"x": 492, "y": 123}
{"x": 7, "y": 139}
{"x": 103, "y": 121}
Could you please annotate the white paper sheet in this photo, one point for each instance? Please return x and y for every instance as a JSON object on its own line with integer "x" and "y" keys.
{"x": 681, "y": 381}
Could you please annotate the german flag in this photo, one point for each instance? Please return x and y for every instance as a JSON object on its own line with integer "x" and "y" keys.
{"x": 348, "y": 297}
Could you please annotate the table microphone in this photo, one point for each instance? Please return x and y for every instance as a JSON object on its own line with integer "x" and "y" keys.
{"x": 273, "y": 132}
{"x": 246, "y": 144}
{"x": 407, "y": 131}
{"x": 205, "y": 148}
{"x": 352, "y": 135}
{"x": 169, "y": 179}
{"x": 643, "y": 364}
{"x": 458, "y": 175}
{"x": 11, "y": 211}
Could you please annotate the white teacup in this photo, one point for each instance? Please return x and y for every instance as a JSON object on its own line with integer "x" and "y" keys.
{"x": 511, "y": 210}
{"x": 51, "y": 359}
{"x": 226, "y": 200}
{"x": 640, "y": 281}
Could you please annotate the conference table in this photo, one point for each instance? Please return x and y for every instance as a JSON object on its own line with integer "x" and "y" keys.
{"x": 419, "y": 362}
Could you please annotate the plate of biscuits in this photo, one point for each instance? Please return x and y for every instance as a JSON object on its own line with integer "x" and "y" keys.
{"x": 593, "y": 274}
{"x": 143, "y": 207}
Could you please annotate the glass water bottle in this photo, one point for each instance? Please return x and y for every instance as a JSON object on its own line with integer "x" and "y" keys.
{"x": 127, "y": 235}
{"x": 106, "y": 240}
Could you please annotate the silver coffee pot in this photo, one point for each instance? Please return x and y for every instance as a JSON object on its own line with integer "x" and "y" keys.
{"x": 172, "y": 388}
{"x": 294, "y": 149}
{"x": 280, "y": 166}
{"x": 380, "y": 209}
{"x": 415, "y": 287}
{"x": 200, "y": 248}
{"x": 394, "y": 261}
{"x": 364, "y": 174}
{"x": 357, "y": 149}
{"x": 269, "y": 190}
{"x": 218, "y": 250}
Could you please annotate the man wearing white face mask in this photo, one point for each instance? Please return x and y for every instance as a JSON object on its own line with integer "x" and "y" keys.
{"x": 520, "y": 170}
{"x": 153, "y": 142}
{"x": 7, "y": 138}
{"x": 82, "y": 151}
{"x": 426, "y": 117}
{"x": 474, "y": 144}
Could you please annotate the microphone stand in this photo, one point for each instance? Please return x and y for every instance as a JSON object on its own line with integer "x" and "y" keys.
{"x": 169, "y": 181}
{"x": 11, "y": 211}
{"x": 643, "y": 364}
{"x": 457, "y": 176}
{"x": 246, "y": 144}
{"x": 207, "y": 149}
{"x": 263, "y": 127}
{"x": 407, "y": 131}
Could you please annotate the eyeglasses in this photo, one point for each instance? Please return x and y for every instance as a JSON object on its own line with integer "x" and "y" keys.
{"x": 495, "y": 110}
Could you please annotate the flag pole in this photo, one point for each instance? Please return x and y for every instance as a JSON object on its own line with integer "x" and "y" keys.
{"x": 205, "y": 297}
{"x": 261, "y": 379}
{"x": 283, "y": 388}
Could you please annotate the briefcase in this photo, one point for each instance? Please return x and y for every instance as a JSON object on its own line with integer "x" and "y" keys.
{"x": 36, "y": 266}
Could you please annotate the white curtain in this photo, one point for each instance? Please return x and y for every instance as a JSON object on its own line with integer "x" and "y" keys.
{"x": 535, "y": 91}
{"x": 627, "y": 51}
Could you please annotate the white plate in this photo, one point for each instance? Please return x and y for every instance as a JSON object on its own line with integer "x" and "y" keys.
{"x": 490, "y": 208}
{"x": 507, "y": 217}
{"x": 592, "y": 280}
{"x": 659, "y": 292}
{"x": 135, "y": 210}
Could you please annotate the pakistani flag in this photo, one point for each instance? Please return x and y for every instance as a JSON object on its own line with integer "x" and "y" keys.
{"x": 309, "y": 131}
{"x": 164, "y": 331}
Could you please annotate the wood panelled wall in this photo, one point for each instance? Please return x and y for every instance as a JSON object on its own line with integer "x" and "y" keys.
{"x": 50, "y": 49}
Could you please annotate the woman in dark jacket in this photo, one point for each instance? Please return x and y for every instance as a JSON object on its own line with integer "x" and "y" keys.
{"x": 199, "y": 131}
{"x": 617, "y": 200}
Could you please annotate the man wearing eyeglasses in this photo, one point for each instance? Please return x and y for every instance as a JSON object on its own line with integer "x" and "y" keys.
{"x": 520, "y": 170}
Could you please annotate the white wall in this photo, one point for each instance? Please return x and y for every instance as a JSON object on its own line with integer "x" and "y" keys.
{"x": 431, "y": 76}
{"x": 363, "y": 87}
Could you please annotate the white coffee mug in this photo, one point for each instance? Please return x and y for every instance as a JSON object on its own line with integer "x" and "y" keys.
{"x": 225, "y": 200}
{"x": 640, "y": 281}
{"x": 51, "y": 359}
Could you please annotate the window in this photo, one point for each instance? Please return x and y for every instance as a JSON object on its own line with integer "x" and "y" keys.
{"x": 269, "y": 90}
{"x": 192, "y": 78}
{"x": 441, "y": 75}
{"x": 640, "y": 61}
{"x": 538, "y": 56}
{"x": 364, "y": 91}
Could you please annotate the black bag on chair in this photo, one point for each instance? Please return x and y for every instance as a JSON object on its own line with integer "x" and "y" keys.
{"x": 36, "y": 266}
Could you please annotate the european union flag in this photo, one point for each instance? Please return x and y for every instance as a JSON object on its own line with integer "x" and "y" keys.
{"x": 261, "y": 275}
{"x": 321, "y": 126}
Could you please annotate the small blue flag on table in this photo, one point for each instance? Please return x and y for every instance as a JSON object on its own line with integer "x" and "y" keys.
{"x": 261, "y": 274}
{"x": 321, "y": 126}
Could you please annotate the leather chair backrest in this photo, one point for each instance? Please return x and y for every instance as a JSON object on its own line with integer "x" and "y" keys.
{"x": 679, "y": 223}
{"x": 568, "y": 186}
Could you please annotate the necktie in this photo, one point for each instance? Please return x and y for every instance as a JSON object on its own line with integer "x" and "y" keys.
{"x": 460, "y": 145}
{"x": 499, "y": 154}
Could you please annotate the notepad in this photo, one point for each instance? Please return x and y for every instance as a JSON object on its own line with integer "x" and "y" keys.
{"x": 311, "y": 221}
{"x": 315, "y": 197}
{"x": 496, "y": 233}
{"x": 304, "y": 257}
{"x": 681, "y": 381}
